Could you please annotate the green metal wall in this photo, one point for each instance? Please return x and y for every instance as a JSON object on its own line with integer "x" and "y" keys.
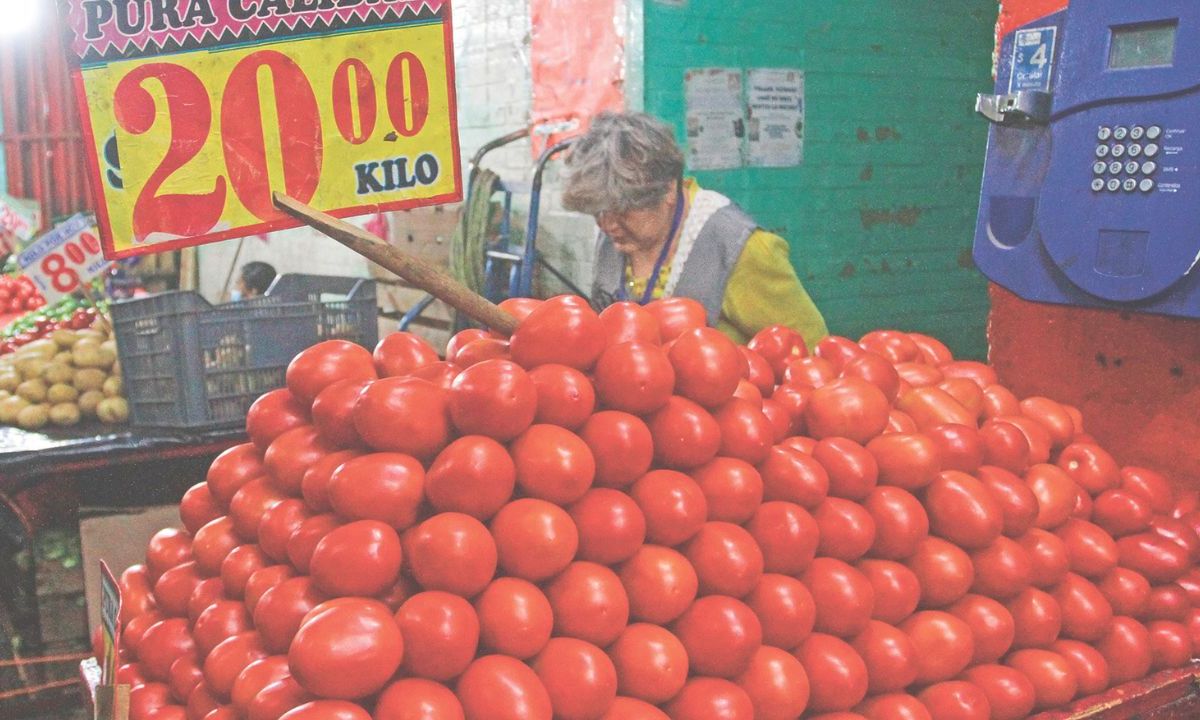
{"x": 881, "y": 215}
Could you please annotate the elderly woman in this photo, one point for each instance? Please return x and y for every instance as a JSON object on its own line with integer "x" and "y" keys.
{"x": 662, "y": 235}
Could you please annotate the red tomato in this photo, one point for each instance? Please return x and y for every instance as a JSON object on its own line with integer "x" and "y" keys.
{"x": 185, "y": 674}
{"x": 359, "y": 558}
{"x": 906, "y": 461}
{"x": 897, "y": 590}
{"x": 1053, "y": 417}
{"x": 611, "y": 526}
{"x": 621, "y": 445}
{"x": 1167, "y": 602}
{"x": 1002, "y": 570}
{"x": 1018, "y": 504}
{"x": 201, "y": 702}
{"x": 661, "y": 584}
{"x": 759, "y": 371}
{"x": 535, "y": 540}
{"x": 778, "y": 344}
{"x": 707, "y": 366}
{"x": 198, "y": 507}
{"x": 895, "y": 346}
{"x": 848, "y": 407}
{"x": 794, "y": 399}
{"x": 1122, "y": 512}
{"x": 893, "y": 706}
{"x": 461, "y": 339}
{"x": 496, "y": 687}
{"x": 1151, "y": 485}
{"x": 451, "y": 552}
{"x": 256, "y": 676}
{"x": 1056, "y": 494}
{"x": 853, "y": 471}
{"x": 1037, "y": 617}
{"x": 1010, "y": 694}
{"x": 346, "y": 649}
{"x": 1159, "y": 559}
{"x": 962, "y": 510}
{"x": 706, "y": 698}
{"x": 589, "y": 603}
{"x": 145, "y": 700}
{"x": 515, "y": 618}
{"x": 624, "y": 708}
{"x": 793, "y": 476}
{"x": 1086, "y": 613}
{"x": 787, "y": 535}
{"x": 746, "y": 433}
{"x": 1126, "y": 648}
{"x": 1036, "y": 436}
{"x": 273, "y": 414}
{"x": 249, "y": 504}
{"x": 1179, "y": 532}
{"x": 944, "y": 571}
{"x": 478, "y": 351}
{"x": 917, "y": 375}
{"x": 721, "y": 635}
{"x": 400, "y": 353}
{"x": 900, "y": 523}
{"x": 205, "y": 593}
{"x": 837, "y": 675}
{"x": 960, "y": 447}
{"x": 322, "y": 710}
{"x": 1089, "y": 666}
{"x": 274, "y": 530}
{"x": 474, "y": 475}
{"x": 282, "y": 609}
{"x": 441, "y": 374}
{"x": 417, "y": 699}
{"x": 1053, "y": 680}
{"x": 900, "y": 422}
{"x": 966, "y": 391}
{"x": 785, "y": 608}
{"x": 137, "y": 592}
{"x": 732, "y": 488}
{"x": 1048, "y": 554}
{"x": 314, "y": 486}
{"x": 1005, "y": 446}
{"x": 441, "y": 635}
{"x": 1170, "y": 644}
{"x": 676, "y": 315}
{"x": 999, "y": 400}
{"x": 651, "y": 663}
{"x": 404, "y": 415}
{"x": 634, "y": 377}
{"x": 565, "y": 396}
{"x": 1091, "y": 467}
{"x": 1091, "y": 551}
{"x": 232, "y": 469}
{"x": 161, "y": 644}
{"x": 333, "y": 413}
{"x": 580, "y": 679}
{"x": 991, "y": 625}
{"x": 227, "y": 660}
{"x": 304, "y": 540}
{"x": 674, "y": 505}
{"x": 174, "y": 588}
{"x": 238, "y": 566}
{"x": 838, "y": 350}
{"x": 811, "y": 372}
{"x": 843, "y": 597}
{"x": 387, "y": 487}
{"x": 931, "y": 406}
{"x": 562, "y": 330}
{"x": 553, "y": 464}
{"x": 1190, "y": 582}
{"x": 876, "y": 370}
{"x": 782, "y": 421}
{"x": 847, "y": 530}
{"x": 727, "y": 559}
{"x": 222, "y": 619}
{"x": 955, "y": 700}
{"x": 889, "y": 655}
{"x": 943, "y": 644}
{"x": 325, "y": 363}
{"x": 169, "y": 547}
{"x": 1126, "y": 590}
{"x": 629, "y": 322}
{"x": 495, "y": 398}
{"x": 776, "y": 684}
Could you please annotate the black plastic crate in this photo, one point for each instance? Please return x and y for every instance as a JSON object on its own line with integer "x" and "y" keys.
{"x": 189, "y": 364}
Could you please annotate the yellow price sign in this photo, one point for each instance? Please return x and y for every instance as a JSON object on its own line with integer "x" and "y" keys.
{"x": 195, "y": 111}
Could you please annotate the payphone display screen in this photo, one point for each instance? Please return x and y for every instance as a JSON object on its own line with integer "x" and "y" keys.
{"x": 1145, "y": 45}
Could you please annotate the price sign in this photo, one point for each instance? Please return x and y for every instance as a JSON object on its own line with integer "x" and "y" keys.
{"x": 65, "y": 258}
{"x": 195, "y": 111}
{"x": 110, "y": 626}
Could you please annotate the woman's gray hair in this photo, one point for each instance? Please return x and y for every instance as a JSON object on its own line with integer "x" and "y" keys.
{"x": 625, "y": 161}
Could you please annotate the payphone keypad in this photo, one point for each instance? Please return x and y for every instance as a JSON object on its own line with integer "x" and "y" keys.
{"x": 1123, "y": 158}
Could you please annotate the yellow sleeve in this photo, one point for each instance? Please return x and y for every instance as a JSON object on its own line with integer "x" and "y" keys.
{"x": 763, "y": 290}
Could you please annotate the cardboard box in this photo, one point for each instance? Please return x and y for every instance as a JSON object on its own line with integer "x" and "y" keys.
{"x": 117, "y": 536}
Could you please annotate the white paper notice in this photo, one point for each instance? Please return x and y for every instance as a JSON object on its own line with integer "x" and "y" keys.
{"x": 716, "y": 118}
{"x": 776, "y": 127}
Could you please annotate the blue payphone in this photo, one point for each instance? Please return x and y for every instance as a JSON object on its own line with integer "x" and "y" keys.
{"x": 1091, "y": 191}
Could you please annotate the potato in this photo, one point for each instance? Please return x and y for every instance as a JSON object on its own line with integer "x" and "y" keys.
{"x": 107, "y": 357}
{"x": 43, "y": 348}
{"x": 64, "y": 414}
{"x": 33, "y": 417}
{"x": 89, "y": 379}
{"x": 87, "y": 354}
{"x": 11, "y": 407}
{"x": 113, "y": 410}
{"x": 63, "y": 358}
{"x": 61, "y": 393}
{"x": 31, "y": 368}
{"x": 110, "y": 345}
{"x": 58, "y": 373}
{"x": 10, "y": 380}
{"x": 88, "y": 402}
{"x": 64, "y": 338}
{"x": 114, "y": 386}
{"x": 32, "y": 390}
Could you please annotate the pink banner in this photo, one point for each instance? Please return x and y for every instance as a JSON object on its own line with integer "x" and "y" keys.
{"x": 102, "y": 29}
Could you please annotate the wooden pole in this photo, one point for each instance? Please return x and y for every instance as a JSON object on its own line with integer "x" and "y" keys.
{"x": 416, "y": 271}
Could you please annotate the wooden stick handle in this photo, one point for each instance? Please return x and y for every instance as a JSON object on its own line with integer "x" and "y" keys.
{"x": 415, "y": 270}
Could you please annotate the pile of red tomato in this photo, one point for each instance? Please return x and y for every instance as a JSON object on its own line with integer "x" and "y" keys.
{"x": 18, "y": 294}
{"x": 626, "y": 516}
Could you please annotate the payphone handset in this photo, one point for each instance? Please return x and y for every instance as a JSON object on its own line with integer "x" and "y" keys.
{"x": 1091, "y": 190}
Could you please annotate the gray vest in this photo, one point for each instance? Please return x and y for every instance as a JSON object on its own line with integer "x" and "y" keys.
{"x": 706, "y": 273}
